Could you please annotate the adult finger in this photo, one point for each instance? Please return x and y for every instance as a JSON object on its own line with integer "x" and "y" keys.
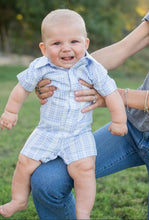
{"x": 44, "y": 82}
{"x": 43, "y": 101}
{"x": 85, "y": 98}
{"x": 46, "y": 89}
{"x": 46, "y": 95}
{"x": 86, "y": 92}
{"x": 82, "y": 82}
{"x": 89, "y": 108}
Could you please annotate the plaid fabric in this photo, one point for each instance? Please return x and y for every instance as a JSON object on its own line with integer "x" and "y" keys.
{"x": 46, "y": 146}
{"x": 63, "y": 130}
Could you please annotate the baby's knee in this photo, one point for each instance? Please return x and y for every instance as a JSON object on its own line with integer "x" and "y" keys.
{"x": 27, "y": 163}
{"x": 82, "y": 167}
{"x": 23, "y": 160}
{"x": 86, "y": 166}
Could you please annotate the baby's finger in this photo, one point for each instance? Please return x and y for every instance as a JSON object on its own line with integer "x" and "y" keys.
{"x": 2, "y": 127}
{"x": 14, "y": 123}
{"x": 1, "y": 124}
{"x": 9, "y": 126}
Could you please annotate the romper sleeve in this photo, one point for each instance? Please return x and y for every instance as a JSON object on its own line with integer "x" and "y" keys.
{"x": 30, "y": 77}
{"x": 102, "y": 82}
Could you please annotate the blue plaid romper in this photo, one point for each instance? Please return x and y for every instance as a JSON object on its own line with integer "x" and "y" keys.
{"x": 63, "y": 131}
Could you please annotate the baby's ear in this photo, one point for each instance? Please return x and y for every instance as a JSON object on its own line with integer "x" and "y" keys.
{"x": 42, "y": 48}
{"x": 87, "y": 43}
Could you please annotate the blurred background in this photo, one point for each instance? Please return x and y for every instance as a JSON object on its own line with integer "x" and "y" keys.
{"x": 119, "y": 196}
{"x": 107, "y": 21}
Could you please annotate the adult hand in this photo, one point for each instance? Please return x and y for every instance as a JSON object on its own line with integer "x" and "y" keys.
{"x": 43, "y": 91}
{"x": 88, "y": 95}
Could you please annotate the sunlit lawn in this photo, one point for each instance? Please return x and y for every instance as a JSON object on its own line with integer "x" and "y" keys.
{"x": 119, "y": 196}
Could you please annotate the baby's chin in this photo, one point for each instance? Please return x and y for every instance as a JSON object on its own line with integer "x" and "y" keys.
{"x": 67, "y": 64}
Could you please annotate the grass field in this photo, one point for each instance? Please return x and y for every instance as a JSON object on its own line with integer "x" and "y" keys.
{"x": 120, "y": 196}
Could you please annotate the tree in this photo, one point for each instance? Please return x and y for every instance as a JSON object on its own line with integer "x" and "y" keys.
{"x": 7, "y": 12}
{"x": 107, "y": 21}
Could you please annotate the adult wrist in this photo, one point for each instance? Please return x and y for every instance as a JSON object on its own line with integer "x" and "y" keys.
{"x": 146, "y": 102}
{"x": 126, "y": 99}
{"x": 146, "y": 17}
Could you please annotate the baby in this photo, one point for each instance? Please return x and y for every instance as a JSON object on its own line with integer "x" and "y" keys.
{"x": 63, "y": 131}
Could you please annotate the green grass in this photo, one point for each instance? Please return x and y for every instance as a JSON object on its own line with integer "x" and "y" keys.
{"x": 119, "y": 196}
{"x": 12, "y": 141}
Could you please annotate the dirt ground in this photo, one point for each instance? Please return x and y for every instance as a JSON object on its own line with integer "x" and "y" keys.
{"x": 14, "y": 59}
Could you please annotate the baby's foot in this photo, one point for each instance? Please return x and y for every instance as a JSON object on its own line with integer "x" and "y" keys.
{"x": 10, "y": 208}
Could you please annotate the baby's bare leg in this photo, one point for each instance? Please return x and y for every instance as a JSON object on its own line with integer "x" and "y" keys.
{"x": 83, "y": 173}
{"x": 20, "y": 186}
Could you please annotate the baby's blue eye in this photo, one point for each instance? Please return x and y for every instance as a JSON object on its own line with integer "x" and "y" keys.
{"x": 74, "y": 41}
{"x": 57, "y": 43}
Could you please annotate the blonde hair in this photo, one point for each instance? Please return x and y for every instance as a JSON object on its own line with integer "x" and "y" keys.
{"x": 66, "y": 16}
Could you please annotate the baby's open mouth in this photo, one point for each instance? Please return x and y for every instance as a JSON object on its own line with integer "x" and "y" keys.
{"x": 70, "y": 58}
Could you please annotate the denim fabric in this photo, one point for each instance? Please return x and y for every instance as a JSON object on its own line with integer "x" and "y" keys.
{"x": 51, "y": 184}
{"x": 137, "y": 117}
{"x": 51, "y": 190}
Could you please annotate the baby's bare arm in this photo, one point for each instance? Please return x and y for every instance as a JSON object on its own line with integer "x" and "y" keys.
{"x": 15, "y": 101}
{"x": 118, "y": 115}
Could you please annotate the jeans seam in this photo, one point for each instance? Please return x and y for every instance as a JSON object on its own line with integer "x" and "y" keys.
{"x": 121, "y": 158}
{"x": 66, "y": 208}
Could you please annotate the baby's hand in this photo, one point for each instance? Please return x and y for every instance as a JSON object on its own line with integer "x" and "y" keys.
{"x": 118, "y": 129}
{"x": 8, "y": 120}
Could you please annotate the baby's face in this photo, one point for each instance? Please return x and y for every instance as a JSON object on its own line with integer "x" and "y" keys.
{"x": 65, "y": 44}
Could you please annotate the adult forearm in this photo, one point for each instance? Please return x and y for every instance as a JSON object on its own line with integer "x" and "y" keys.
{"x": 134, "y": 98}
{"x": 113, "y": 56}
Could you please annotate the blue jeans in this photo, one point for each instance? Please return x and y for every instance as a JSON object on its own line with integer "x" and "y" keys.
{"x": 52, "y": 186}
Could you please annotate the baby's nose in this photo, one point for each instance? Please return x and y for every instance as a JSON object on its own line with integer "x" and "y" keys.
{"x": 66, "y": 47}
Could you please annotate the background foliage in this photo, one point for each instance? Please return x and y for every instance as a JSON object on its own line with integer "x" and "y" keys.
{"x": 107, "y": 21}
{"x": 123, "y": 195}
